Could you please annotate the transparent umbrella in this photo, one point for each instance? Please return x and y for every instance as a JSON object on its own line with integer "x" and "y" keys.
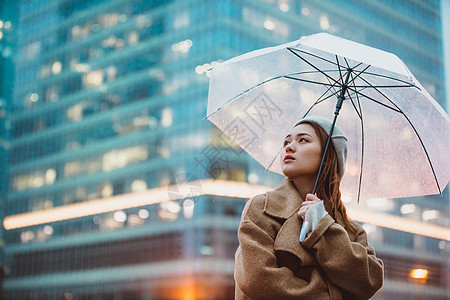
{"x": 398, "y": 135}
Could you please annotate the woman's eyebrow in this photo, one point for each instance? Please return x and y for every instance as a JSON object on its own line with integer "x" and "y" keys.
{"x": 299, "y": 134}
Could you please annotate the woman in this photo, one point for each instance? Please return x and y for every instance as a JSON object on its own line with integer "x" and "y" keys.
{"x": 335, "y": 260}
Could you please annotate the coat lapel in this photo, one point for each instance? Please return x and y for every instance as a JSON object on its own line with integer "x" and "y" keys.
{"x": 284, "y": 203}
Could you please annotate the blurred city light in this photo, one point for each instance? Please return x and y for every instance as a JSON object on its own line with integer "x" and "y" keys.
{"x": 166, "y": 119}
{"x": 120, "y": 216}
{"x": 305, "y": 11}
{"x": 252, "y": 178}
{"x": 182, "y": 46}
{"x": 188, "y": 208}
{"x": 429, "y": 215}
{"x": 48, "y": 229}
{"x": 56, "y": 67}
{"x": 138, "y": 186}
{"x": 206, "y": 68}
{"x": 82, "y": 68}
{"x": 324, "y": 23}
{"x": 143, "y": 213}
{"x": 269, "y": 25}
{"x": 407, "y": 208}
{"x": 94, "y": 78}
{"x": 34, "y": 97}
{"x": 284, "y": 7}
{"x": 50, "y": 176}
{"x": 419, "y": 273}
{"x": 169, "y": 209}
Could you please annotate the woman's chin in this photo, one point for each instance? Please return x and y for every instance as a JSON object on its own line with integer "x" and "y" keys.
{"x": 289, "y": 172}
{"x": 292, "y": 173}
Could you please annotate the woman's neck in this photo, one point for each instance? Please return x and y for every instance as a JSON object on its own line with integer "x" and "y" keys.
{"x": 304, "y": 185}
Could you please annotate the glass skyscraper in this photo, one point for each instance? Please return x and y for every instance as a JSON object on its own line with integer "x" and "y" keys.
{"x": 114, "y": 186}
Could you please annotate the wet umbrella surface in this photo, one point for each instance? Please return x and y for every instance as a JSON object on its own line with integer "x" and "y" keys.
{"x": 398, "y": 135}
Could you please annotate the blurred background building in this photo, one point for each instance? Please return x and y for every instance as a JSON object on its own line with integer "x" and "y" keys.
{"x": 113, "y": 186}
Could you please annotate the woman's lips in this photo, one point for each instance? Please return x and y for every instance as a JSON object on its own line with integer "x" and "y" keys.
{"x": 288, "y": 158}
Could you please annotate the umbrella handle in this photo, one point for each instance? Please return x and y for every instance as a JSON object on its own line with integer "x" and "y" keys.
{"x": 303, "y": 231}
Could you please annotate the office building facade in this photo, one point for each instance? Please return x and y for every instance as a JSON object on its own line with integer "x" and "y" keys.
{"x": 117, "y": 186}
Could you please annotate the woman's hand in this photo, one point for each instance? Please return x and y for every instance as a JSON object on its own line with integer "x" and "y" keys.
{"x": 310, "y": 200}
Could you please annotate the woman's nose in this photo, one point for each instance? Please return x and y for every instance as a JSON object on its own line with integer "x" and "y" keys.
{"x": 289, "y": 148}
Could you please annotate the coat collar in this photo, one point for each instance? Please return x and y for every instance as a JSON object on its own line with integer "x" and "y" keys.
{"x": 283, "y": 201}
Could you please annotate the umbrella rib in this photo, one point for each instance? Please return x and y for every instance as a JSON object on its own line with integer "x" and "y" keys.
{"x": 308, "y": 81}
{"x": 326, "y": 75}
{"x": 247, "y": 90}
{"x": 327, "y": 97}
{"x": 331, "y": 62}
{"x": 394, "y": 79}
{"x": 351, "y": 69}
{"x": 339, "y": 67}
{"x": 385, "y": 86}
{"x": 379, "y": 75}
{"x": 310, "y": 72}
{"x": 426, "y": 152}
{"x": 268, "y": 167}
{"x": 357, "y": 75}
{"x": 381, "y": 93}
{"x": 369, "y": 84}
{"x": 415, "y": 131}
{"x": 332, "y": 86}
{"x": 264, "y": 82}
{"x": 320, "y": 101}
{"x": 346, "y": 62}
{"x": 380, "y": 86}
{"x": 357, "y": 65}
{"x": 354, "y": 106}
{"x": 360, "y": 114}
{"x": 311, "y": 54}
{"x": 372, "y": 99}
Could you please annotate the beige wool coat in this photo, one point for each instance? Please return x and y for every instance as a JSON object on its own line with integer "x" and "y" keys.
{"x": 271, "y": 263}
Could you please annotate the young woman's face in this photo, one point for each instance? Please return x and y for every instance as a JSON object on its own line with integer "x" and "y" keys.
{"x": 301, "y": 153}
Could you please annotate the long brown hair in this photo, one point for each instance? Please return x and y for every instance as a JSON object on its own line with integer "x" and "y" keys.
{"x": 329, "y": 180}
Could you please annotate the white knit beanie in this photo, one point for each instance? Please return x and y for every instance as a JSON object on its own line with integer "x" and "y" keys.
{"x": 338, "y": 139}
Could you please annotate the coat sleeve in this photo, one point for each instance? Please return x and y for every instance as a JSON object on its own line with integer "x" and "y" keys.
{"x": 257, "y": 274}
{"x": 351, "y": 265}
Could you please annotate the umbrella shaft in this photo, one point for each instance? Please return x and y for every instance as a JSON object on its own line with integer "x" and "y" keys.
{"x": 326, "y": 147}
{"x": 341, "y": 99}
{"x": 341, "y": 96}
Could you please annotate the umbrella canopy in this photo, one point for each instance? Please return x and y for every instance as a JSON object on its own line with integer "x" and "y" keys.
{"x": 398, "y": 135}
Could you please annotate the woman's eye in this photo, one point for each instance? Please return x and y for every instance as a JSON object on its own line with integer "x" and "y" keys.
{"x": 285, "y": 143}
{"x": 302, "y": 139}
